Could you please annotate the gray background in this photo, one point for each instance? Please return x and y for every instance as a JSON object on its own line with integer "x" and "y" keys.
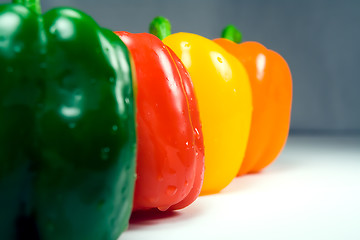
{"x": 319, "y": 39}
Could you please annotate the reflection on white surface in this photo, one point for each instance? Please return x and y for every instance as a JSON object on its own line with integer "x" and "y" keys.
{"x": 312, "y": 191}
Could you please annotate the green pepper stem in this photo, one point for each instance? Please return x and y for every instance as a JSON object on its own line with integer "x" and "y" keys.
{"x": 231, "y": 33}
{"x": 160, "y": 27}
{"x": 34, "y": 5}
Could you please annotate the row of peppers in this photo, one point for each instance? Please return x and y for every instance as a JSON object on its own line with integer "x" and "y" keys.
{"x": 71, "y": 139}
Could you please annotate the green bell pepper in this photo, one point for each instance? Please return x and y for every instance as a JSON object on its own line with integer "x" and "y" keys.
{"x": 67, "y": 126}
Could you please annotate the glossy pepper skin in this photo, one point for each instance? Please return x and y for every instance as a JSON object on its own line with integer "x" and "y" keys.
{"x": 170, "y": 157}
{"x": 67, "y": 126}
{"x": 223, "y": 91}
{"x": 271, "y": 85}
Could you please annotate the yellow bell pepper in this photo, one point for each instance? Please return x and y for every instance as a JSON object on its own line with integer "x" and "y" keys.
{"x": 224, "y": 96}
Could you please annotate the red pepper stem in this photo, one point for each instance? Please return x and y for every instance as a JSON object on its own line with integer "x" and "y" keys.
{"x": 231, "y": 33}
{"x": 31, "y": 4}
{"x": 160, "y": 27}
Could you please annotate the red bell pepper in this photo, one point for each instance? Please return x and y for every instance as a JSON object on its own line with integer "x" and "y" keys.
{"x": 170, "y": 154}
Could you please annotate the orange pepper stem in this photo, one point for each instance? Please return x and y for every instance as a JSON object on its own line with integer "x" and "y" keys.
{"x": 231, "y": 33}
{"x": 160, "y": 27}
{"x": 31, "y": 4}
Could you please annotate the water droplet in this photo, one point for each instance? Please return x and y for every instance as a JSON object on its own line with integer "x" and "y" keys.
{"x": 105, "y": 153}
{"x": 72, "y": 125}
{"x": 234, "y": 90}
{"x": 187, "y": 143}
{"x": 186, "y": 45}
{"x": 197, "y": 131}
{"x": 111, "y": 79}
{"x": 115, "y": 128}
{"x": 53, "y": 29}
{"x": 186, "y": 183}
{"x": 171, "y": 190}
{"x": 219, "y": 59}
{"x": 163, "y": 208}
{"x": 127, "y": 100}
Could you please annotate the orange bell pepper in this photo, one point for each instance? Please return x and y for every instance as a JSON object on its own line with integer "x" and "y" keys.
{"x": 271, "y": 85}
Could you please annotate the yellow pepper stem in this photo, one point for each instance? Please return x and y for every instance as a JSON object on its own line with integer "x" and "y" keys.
{"x": 160, "y": 27}
{"x": 232, "y": 33}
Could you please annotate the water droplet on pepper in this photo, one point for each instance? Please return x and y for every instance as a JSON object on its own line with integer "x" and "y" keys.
{"x": 171, "y": 190}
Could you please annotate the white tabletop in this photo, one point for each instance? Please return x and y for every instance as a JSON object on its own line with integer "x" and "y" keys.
{"x": 312, "y": 191}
